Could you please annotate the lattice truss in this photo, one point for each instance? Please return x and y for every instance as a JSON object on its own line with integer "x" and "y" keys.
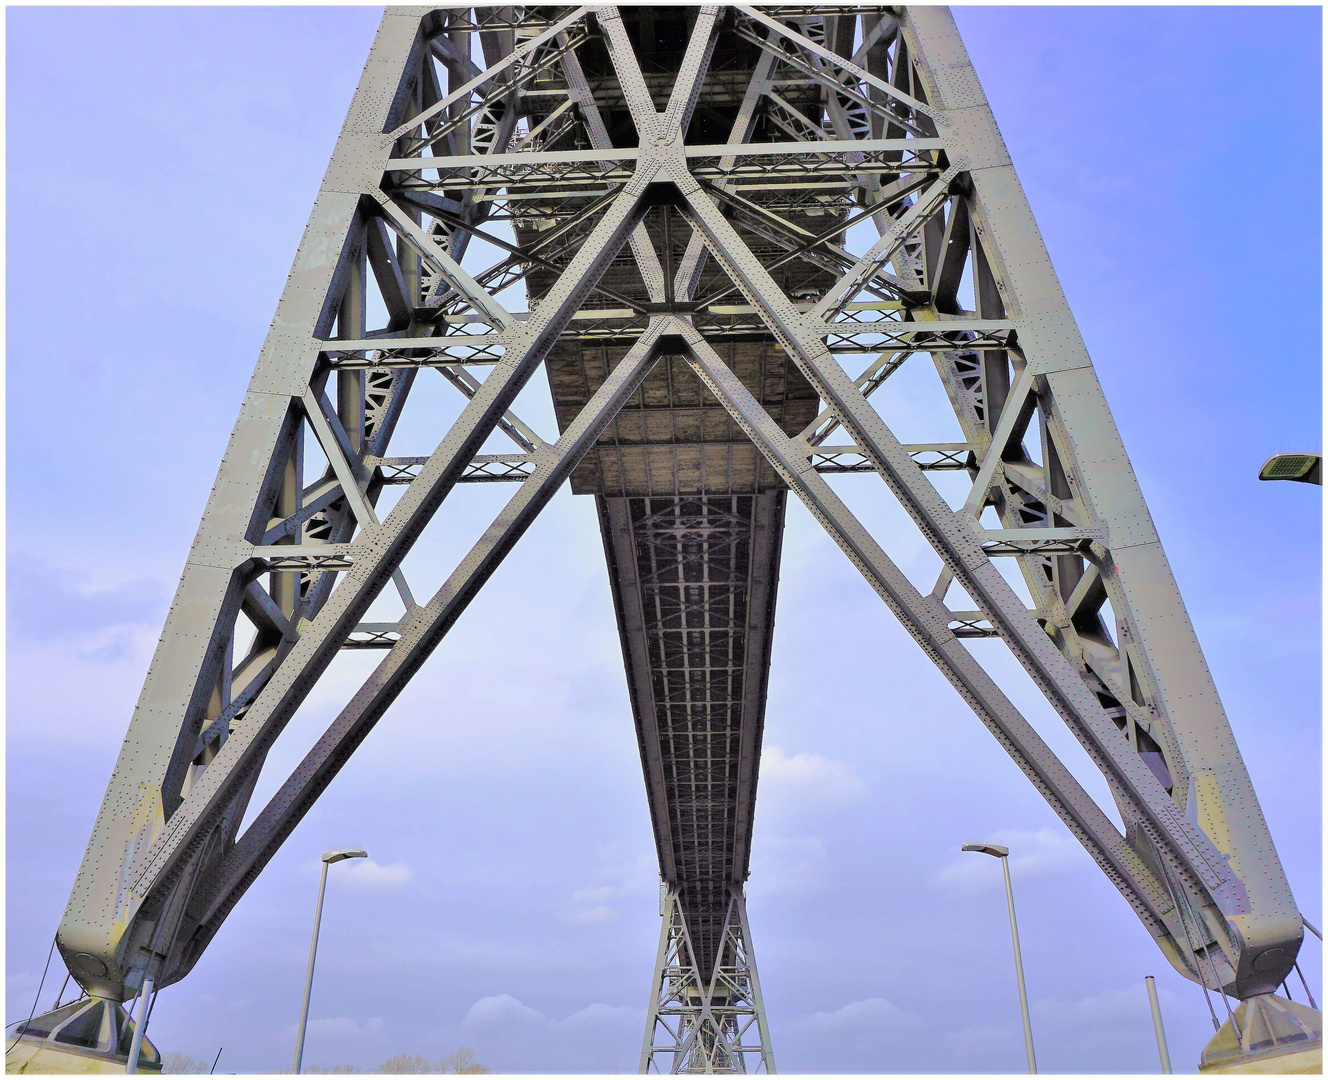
{"x": 706, "y": 1024}
{"x": 670, "y": 191}
{"x": 700, "y": 573}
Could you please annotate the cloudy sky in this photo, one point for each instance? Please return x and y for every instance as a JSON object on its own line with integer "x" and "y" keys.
{"x": 161, "y": 165}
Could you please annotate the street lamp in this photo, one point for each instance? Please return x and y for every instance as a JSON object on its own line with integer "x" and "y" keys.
{"x": 329, "y": 857}
{"x": 996, "y": 851}
{"x": 1306, "y": 468}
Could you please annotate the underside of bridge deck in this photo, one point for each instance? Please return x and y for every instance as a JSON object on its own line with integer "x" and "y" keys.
{"x": 692, "y": 515}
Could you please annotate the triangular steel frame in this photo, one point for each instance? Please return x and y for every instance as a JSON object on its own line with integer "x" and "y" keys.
{"x": 430, "y": 144}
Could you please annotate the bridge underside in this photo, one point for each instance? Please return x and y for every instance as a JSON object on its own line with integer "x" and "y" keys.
{"x": 691, "y": 513}
{"x": 692, "y": 520}
{"x": 694, "y": 580}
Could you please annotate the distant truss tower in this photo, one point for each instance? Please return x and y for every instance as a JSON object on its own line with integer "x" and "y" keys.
{"x": 706, "y": 1024}
{"x": 731, "y": 226}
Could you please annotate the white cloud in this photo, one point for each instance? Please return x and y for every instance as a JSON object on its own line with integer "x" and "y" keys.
{"x": 603, "y": 1014}
{"x": 367, "y": 874}
{"x": 592, "y": 905}
{"x": 501, "y": 1010}
{"x": 501, "y": 1014}
{"x": 803, "y": 781}
{"x": 1109, "y": 1008}
{"x": 1043, "y": 853}
{"x": 871, "y": 1014}
{"x": 342, "y": 1027}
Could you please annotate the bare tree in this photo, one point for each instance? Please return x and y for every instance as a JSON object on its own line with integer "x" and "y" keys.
{"x": 462, "y": 1060}
{"x": 176, "y": 1062}
{"x": 408, "y": 1063}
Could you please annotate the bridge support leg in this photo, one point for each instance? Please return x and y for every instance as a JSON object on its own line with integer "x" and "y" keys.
{"x": 706, "y": 1022}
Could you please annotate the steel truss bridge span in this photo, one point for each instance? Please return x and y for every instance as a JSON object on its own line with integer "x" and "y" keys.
{"x": 730, "y": 226}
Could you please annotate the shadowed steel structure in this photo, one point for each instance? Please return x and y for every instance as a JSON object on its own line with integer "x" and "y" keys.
{"x": 730, "y": 227}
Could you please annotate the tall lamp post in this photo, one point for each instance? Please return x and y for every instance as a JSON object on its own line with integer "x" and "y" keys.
{"x": 997, "y": 851}
{"x": 329, "y": 857}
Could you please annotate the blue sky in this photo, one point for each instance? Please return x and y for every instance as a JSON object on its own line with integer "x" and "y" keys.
{"x": 161, "y": 165}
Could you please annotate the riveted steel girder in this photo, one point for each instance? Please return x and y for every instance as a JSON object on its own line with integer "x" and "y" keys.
{"x": 732, "y": 227}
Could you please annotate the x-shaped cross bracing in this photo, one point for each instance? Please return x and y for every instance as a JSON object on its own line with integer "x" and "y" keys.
{"x": 940, "y": 196}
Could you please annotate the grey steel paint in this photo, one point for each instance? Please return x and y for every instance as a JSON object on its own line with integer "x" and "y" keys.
{"x": 885, "y": 123}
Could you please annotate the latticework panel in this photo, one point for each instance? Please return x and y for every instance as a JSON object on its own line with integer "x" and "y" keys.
{"x": 694, "y": 568}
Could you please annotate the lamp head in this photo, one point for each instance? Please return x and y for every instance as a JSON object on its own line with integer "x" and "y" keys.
{"x": 346, "y": 853}
{"x": 996, "y": 851}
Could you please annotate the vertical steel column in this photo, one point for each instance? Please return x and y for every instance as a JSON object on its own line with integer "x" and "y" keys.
{"x": 658, "y": 988}
{"x": 758, "y": 1002}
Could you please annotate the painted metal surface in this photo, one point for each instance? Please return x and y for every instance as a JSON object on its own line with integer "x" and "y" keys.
{"x": 706, "y": 1023}
{"x": 87, "y": 1035}
{"x": 1159, "y": 1032}
{"x": 733, "y": 225}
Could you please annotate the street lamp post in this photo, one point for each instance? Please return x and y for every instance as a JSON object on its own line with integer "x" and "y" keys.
{"x": 1158, "y": 1031}
{"x": 329, "y": 857}
{"x": 997, "y": 851}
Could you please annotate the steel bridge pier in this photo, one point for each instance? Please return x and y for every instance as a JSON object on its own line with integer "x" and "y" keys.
{"x": 730, "y": 226}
